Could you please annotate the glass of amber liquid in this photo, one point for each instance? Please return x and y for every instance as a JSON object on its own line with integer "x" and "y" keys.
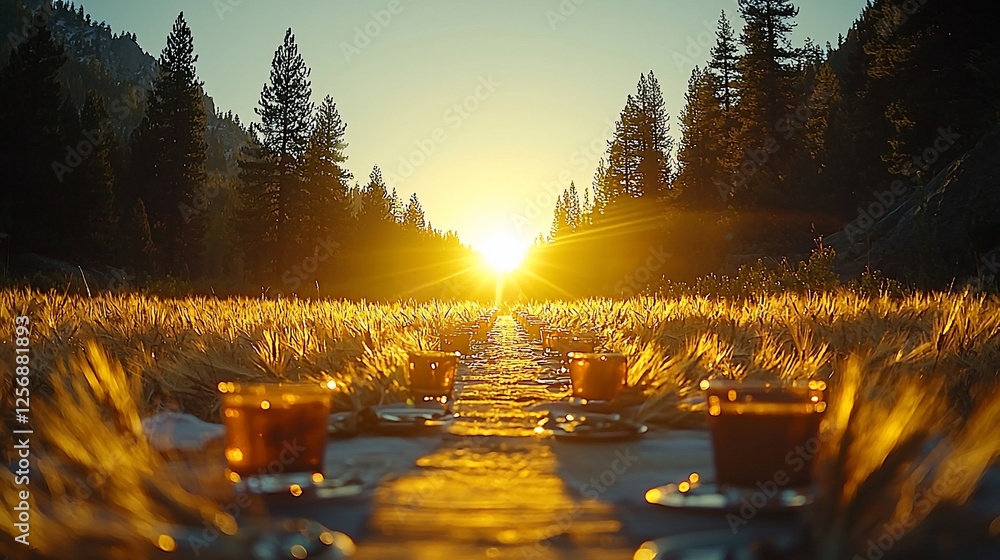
{"x": 457, "y": 340}
{"x": 565, "y": 343}
{"x": 764, "y": 432}
{"x": 275, "y": 434}
{"x": 597, "y": 377}
{"x": 432, "y": 374}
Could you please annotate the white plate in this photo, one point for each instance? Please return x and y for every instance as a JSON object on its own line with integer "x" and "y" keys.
{"x": 708, "y": 496}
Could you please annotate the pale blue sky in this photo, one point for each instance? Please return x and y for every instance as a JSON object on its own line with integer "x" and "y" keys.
{"x": 538, "y": 87}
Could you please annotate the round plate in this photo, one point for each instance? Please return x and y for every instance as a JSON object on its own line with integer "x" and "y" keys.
{"x": 284, "y": 539}
{"x": 708, "y": 496}
{"x": 722, "y": 545}
{"x": 401, "y": 420}
{"x": 616, "y": 431}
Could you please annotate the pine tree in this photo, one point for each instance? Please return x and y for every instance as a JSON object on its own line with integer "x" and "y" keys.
{"x": 623, "y": 154}
{"x": 602, "y": 188}
{"x": 936, "y": 70}
{"x": 655, "y": 143}
{"x": 258, "y": 208}
{"x": 414, "y": 217}
{"x": 766, "y": 98}
{"x": 395, "y": 206}
{"x": 825, "y": 171}
{"x": 724, "y": 64}
{"x": 326, "y": 179}
{"x": 376, "y": 203}
{"x": 94, "y": 184}
{"x": 169, "y": 160}
{"x": 586, "y": 209}
{"x": 286, "y": 125}
{"x": 571, "y": 202}
{"x": 702, "y": 179}
{"x": 560, "y": 219}
{"x": 34, "y": 164}
{"x": 824, "y": 103}
{"x": 639, "y": 153}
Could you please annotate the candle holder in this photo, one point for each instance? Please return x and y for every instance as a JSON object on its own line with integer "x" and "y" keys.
{"x": 534, "y": 328}
{"x": 275, "y": 434}
{"x": 564, "y": 343}
{"x": 432, "y": 374}
{"x": 549, "y": 335}
{"x": 456, "y": 341}
{"x": 597, "y": 377}
{"x": 763, "y": 432}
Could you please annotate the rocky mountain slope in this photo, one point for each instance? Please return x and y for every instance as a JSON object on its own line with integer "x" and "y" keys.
{"x": 115, "y": 66}
{"x": 949, "y": 228}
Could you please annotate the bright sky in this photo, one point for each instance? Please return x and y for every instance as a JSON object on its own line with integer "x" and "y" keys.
{"x": 496, "y": 104}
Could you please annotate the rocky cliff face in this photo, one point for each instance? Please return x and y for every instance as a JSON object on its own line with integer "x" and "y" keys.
{"x": 115, "y": 66}
{"x": 948, "y": 229}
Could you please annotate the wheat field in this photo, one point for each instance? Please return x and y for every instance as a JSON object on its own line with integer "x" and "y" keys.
{"x": 914, "y": 392}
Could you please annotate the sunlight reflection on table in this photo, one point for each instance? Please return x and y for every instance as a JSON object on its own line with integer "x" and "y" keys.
{"x": 494, "y": 488}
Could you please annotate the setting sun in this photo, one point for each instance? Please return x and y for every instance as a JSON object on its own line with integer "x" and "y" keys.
{"x": 503, "y": 252}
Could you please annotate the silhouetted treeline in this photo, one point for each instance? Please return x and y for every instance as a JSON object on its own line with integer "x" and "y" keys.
{"x": 150, "y": 182}
{"x": 779, "y": 144}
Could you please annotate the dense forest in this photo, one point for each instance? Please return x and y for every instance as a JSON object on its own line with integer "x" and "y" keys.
{"x": 781, "y": 145}
{"x": 145, "y": 183}
{"x": 153, "y": 201}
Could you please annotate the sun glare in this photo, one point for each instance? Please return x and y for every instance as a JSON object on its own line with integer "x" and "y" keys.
{"x": 503, "y": 253}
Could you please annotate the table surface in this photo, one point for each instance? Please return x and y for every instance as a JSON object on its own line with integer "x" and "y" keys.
{"x": 490, "y": 486}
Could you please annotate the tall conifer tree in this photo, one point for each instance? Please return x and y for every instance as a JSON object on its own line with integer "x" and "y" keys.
{"x": 285, "y": 112}
{"x": 169, "y": 160}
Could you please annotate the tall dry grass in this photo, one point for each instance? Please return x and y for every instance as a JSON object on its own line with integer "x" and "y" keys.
{"x": 181, "y": 348}
{"x": 914, "y": 422}
{"x": 100, "y": 364}
{"x": 913, "y": 417}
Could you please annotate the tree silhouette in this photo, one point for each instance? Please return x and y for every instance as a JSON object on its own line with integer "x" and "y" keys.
{"x": 414, "y": 217}
{"x": 702, "y": 181}
{"x": 94, "y": 186}
{"x": 765, "y": 99}
{"x": 169, "y": 161}
{"x": 724, "y": 64}
{"x": 34, "y": 162}
{"x": 258, "y": 209}
{"x": 286, "y": 125}
{"x": 321, "y": 208}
